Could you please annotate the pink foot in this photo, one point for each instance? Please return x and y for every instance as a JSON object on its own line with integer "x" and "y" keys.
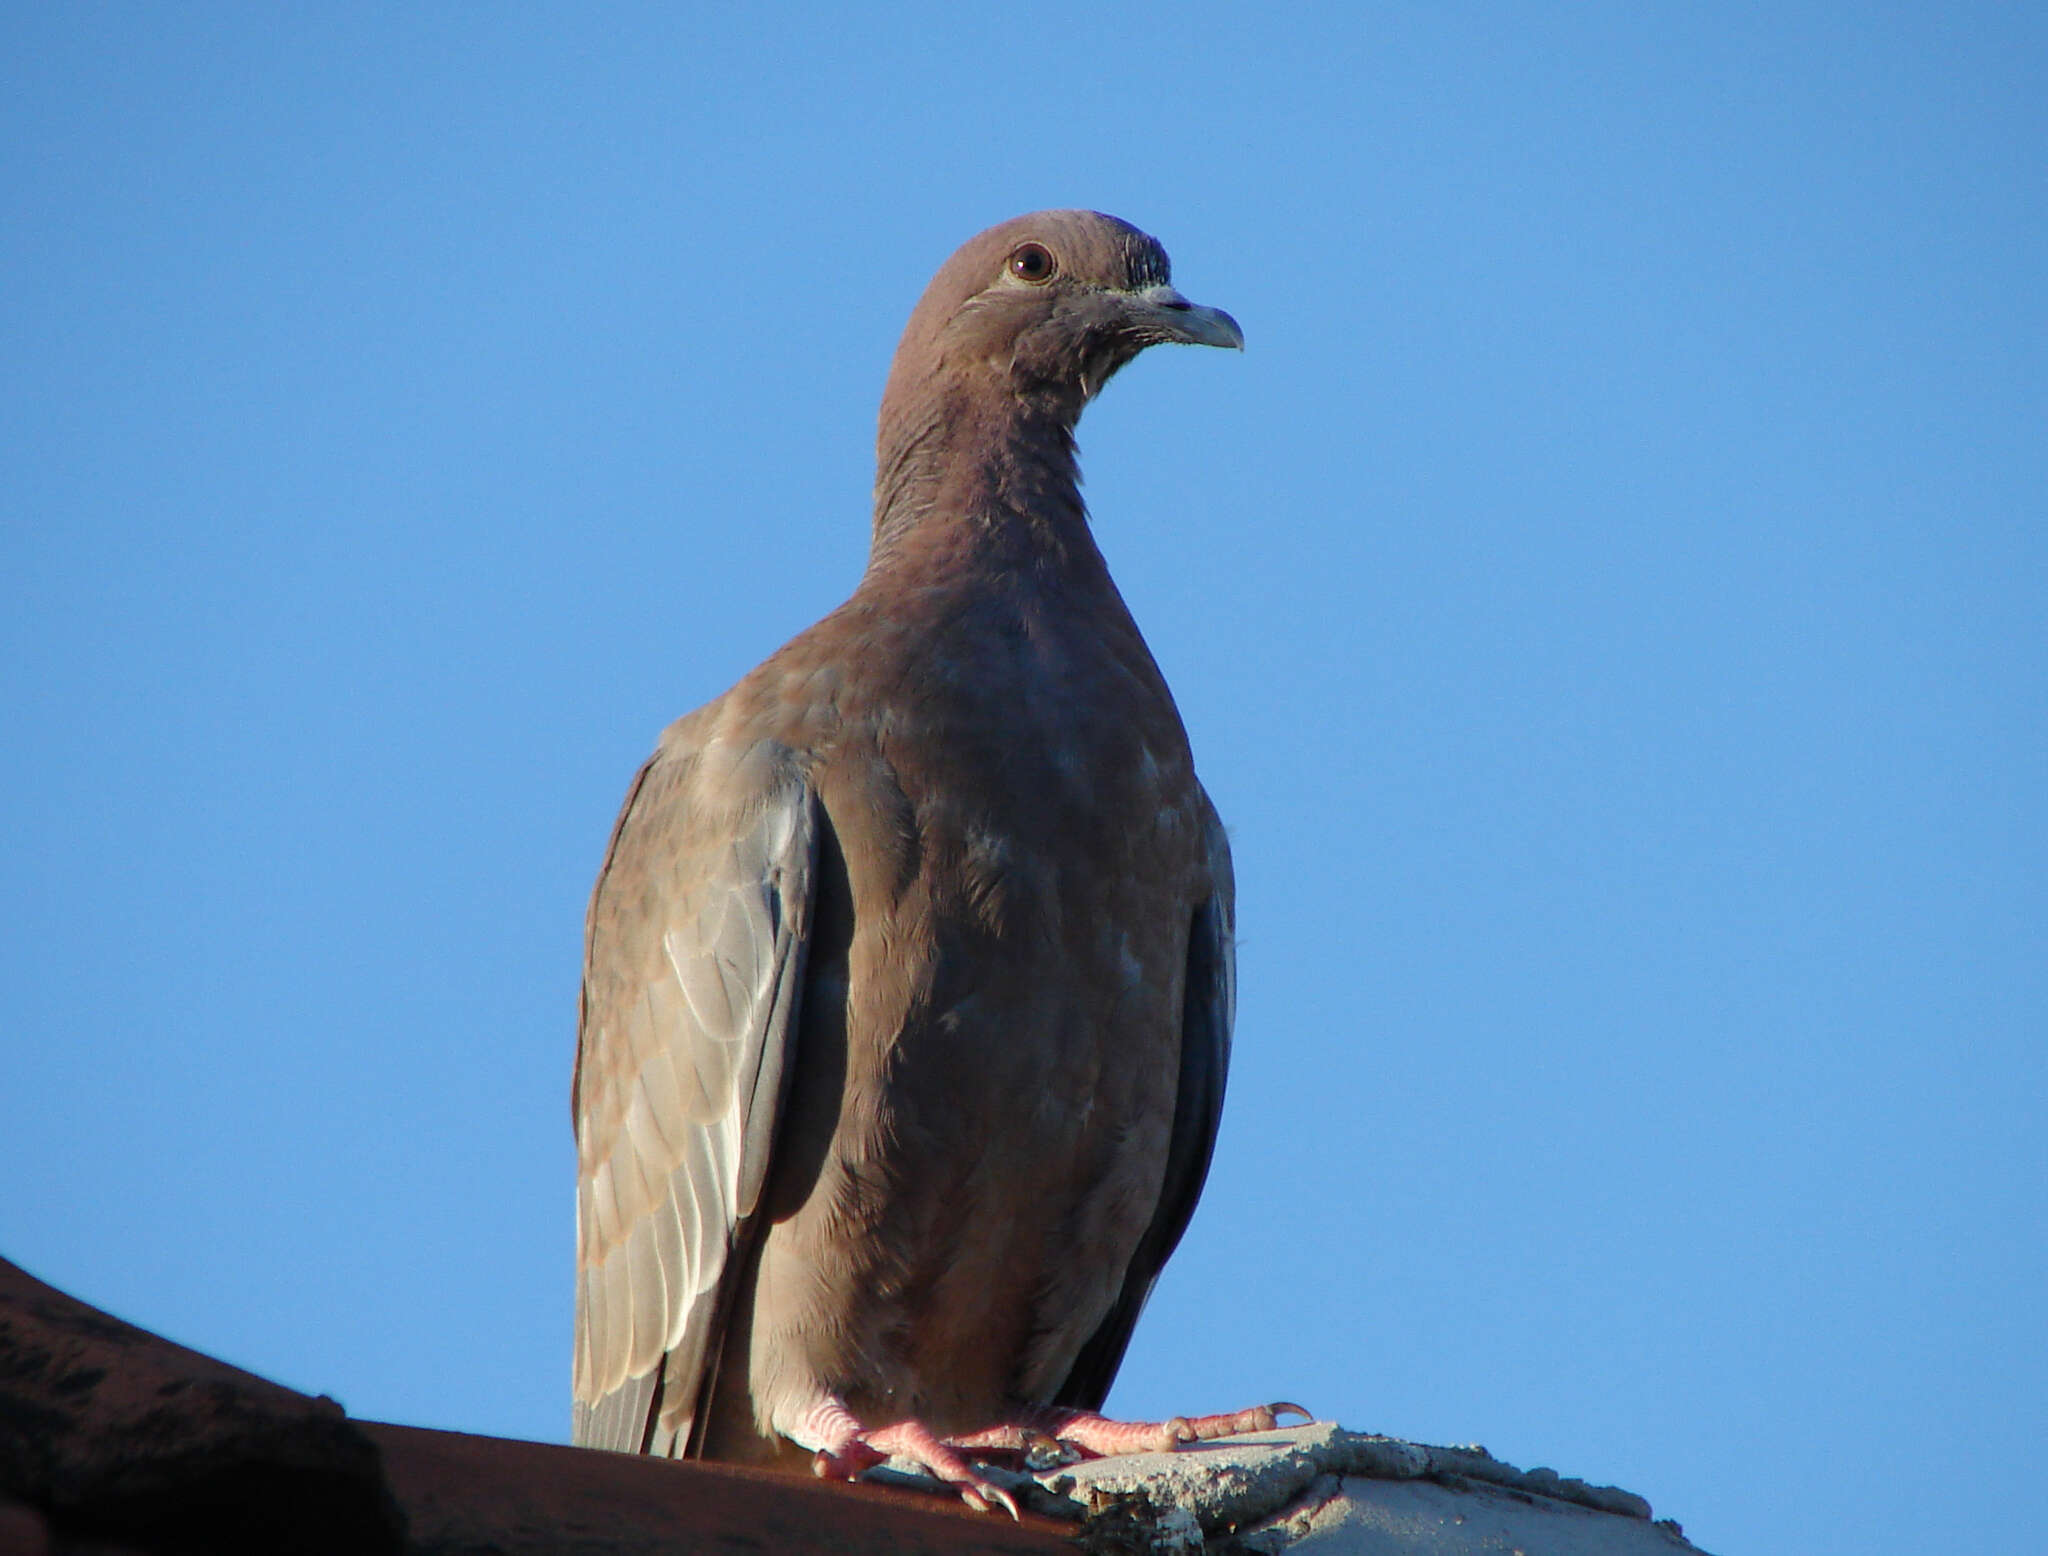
{"x": 843, "y": 1449}
{"x": 846, "y": 1450}
{"x": 1098, "y": 1434}
{"x": 1100, "y": 1437}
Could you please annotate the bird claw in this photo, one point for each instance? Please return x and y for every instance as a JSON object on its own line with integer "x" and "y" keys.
{"x": 1259, "y": 1418}
{"x": 985, "y": 1489}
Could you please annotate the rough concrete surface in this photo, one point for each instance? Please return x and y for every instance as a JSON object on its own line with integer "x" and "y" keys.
{"x": 1351, "y": 1516}
{"x": 1322, "y": 1491}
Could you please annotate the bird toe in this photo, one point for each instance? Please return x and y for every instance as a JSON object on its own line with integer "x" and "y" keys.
{"x": 918, "y": 1444}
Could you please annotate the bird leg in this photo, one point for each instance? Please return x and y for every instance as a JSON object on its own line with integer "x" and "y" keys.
{"x": 1097, "y": 1436}
{"x": 843, "y": 1449}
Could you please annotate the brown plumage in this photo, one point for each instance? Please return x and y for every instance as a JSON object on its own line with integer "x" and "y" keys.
{"x": 908, "y": 977}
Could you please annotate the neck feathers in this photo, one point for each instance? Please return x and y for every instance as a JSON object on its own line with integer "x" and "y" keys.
{"x": 999, "y": 468}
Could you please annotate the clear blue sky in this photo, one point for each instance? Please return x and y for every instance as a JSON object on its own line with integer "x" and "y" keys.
{"x": 1607, "y": 602}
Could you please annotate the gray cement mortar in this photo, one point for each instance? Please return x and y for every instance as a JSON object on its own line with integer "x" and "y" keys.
{"x": 1319, "y": 1490}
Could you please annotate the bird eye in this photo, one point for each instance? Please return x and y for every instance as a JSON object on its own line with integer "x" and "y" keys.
{"x": 1033, "y": 262}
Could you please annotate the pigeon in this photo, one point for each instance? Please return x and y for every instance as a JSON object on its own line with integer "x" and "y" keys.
{"x": 909, "y": 973}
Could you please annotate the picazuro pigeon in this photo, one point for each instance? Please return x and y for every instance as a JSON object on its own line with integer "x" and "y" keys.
{"x": 908, "y": 977}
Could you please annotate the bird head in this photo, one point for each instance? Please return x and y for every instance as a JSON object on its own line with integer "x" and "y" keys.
{"x": 1049, "y": 306}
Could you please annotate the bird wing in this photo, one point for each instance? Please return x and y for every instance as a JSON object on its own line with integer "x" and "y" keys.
{"x": 693, "y": 961}
{"x": 1208, "y": 1014}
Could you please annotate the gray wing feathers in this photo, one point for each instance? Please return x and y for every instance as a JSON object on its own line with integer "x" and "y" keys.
{"x": 695, "y": 957}
{"x": 1208, "y": 1014}
{"x": 1221, "y": 995}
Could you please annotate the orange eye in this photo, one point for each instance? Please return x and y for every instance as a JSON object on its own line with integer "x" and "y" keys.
{"x": 1033, "y": 262}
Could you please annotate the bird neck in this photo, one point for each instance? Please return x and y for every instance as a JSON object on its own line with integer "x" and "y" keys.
{"x": 997, "y": 475}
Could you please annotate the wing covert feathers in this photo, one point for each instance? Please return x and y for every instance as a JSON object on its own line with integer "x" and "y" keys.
{"x": 694, "y": 954}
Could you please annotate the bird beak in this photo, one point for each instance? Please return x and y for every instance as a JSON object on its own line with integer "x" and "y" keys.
{"x": 1177, "y": 319}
